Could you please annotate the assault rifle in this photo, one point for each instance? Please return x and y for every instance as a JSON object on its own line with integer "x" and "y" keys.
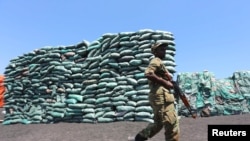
{"x": 179, "y": 92}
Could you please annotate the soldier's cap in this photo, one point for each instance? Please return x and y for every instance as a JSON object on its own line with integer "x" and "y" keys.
{"x": 156, "y": 45}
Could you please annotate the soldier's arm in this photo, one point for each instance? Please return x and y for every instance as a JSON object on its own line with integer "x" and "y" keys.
{"x": 150, "y": 73}
{"x": 156, "y": 79}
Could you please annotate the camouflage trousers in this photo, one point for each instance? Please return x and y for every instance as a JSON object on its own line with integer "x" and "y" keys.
{"x": 165, "y": 117}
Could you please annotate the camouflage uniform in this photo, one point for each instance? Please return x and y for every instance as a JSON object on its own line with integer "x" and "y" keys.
{"x": 162, "y": 102}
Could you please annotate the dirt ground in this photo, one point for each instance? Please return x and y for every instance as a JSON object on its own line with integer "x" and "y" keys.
{"x": 191, "y": 130}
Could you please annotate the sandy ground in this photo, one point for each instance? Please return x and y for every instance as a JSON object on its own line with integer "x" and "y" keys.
{"x": 191, "y": 130}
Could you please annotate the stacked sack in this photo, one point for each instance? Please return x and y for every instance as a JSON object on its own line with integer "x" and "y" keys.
{"x": 102, "y": 81}
{"x": 242, "y": 85}
{"x": 229, "y": 100}
{"x": 214, "y": 97}
{"x": 199, "y": 88}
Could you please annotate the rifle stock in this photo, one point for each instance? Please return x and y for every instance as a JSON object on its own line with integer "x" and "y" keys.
{"x": 182, "y": 96}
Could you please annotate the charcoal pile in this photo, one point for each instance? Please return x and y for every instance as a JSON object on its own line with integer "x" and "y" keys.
{"x": 90, "y": 82}
{"x": 215, "y": 97}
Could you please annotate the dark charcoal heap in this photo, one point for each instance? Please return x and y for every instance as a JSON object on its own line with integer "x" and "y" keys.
{"x": 102, "y": 81}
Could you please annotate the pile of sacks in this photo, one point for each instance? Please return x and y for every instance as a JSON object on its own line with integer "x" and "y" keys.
{"x": 215, "y": 97}
{"x": 98, "y": 82}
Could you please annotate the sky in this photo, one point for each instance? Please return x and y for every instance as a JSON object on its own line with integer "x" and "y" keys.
{"x": 212, "y": 35}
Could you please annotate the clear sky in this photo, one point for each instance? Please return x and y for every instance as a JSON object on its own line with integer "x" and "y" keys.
{"x": 211, "y": 35}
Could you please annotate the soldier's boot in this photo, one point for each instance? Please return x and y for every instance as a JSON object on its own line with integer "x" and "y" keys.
{"x": 138, "y": 137}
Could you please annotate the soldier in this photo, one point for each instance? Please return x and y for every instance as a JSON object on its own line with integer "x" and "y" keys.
{"x": 160, "y": 98}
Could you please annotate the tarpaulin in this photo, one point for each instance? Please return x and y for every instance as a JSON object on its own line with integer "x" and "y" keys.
{"x": 2, "y": 90}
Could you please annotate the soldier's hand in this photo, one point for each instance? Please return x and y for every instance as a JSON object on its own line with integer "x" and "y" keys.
{"x": 168, "y": 76}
